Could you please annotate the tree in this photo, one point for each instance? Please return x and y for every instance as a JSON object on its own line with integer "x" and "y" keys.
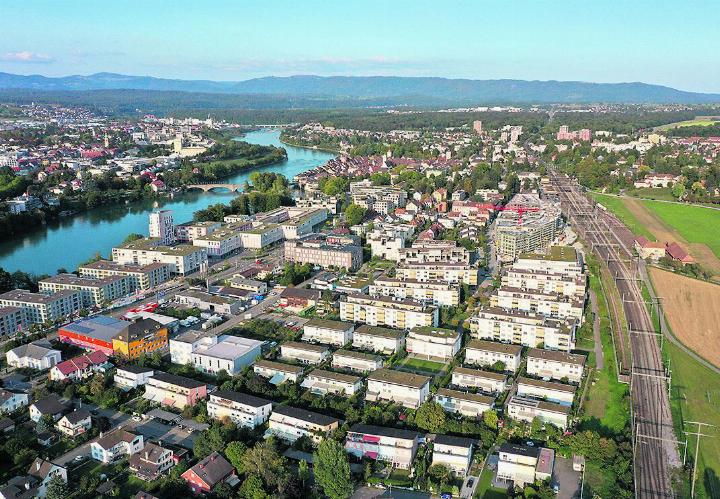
{"x": 208, "y": 442}
{"x": 490, "y": 418}
{"x": 440, "y": 474}
{"x": 57, "y": 488}
{"x": 252, "y": 488}
{"x": 332, "y": 470}
{"x": 303, "y": 472}
{"x": 430, "y": 417}
{"x": 264, "y": 461}
{"x": 234, "y": 452}
{"x": 354, "y": 214}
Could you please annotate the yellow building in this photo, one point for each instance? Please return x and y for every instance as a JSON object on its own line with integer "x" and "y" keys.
{"x": 142, "y": 336}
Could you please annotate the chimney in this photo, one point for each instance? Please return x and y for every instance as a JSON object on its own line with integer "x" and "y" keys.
{"x": 37, "y": 465}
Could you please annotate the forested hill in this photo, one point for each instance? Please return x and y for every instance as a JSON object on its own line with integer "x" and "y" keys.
{"x": 373, "y": 90}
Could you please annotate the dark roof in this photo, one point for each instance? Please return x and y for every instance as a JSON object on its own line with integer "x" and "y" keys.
{"x": 213, "y": 469}
{"x": 135, "y": 369}
{"x": 114, "y": 437}
{"x": 78, "y": 415}
{"x": 51, "y": 405}
{"x": 456, "y": 441}
{"x": 305, "y": 415}
{"x": 177, "y": 380}
{"x": 144, "y": 495}
{"x": 305, "y": 294}
{"x": 241, "y": 398}
{"x": 40, "y": 468}
{"x": 522, "y": 450}
{"x": 383, "y": 431}
{"x": 138, "y": 329}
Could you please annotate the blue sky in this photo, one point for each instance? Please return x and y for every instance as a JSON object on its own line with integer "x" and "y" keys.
{"x": 668, "y": 42}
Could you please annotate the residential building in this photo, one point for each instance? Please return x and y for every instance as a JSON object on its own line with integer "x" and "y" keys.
{"x": 142, "y": 277}
{"x": 409, "y": 390}
{"x": 299, "y": 298}
{"x": 40, "y": 307}
{"x": 36, "y": 355}
{"x": 382, "y": 199}
{"x": 526, "y": 224}
{"x": 221, "y": 242}
{"x": 321, "y": 382}
{"x": 433, "y": 342}
{"x": 150, "y": 463}
{"x": 184, "y": 345}
{"x": 12, "y": 401}
{"x": 206, "y": 301}
{"x": 329, "y": 332}
{"x": 230, "y": 354}
{"x": 79, "y": 367}
{"x": 487, "y": 353}
{"x": 434, "y": 251}
{"x": 453, "y": 452}
{"x": 385, "y": 311}
{"x": 322, "y": 251}
{"x": 545, "y": 281}
{"x": 208, "y": 473}
{"x": 526, "y": 409}
{"x": 242, "y": 409}
{"x": 277, "y": 372}
{"x": 12, "y": 321}
{"x": 486, "y": 381}
{"x": 451, "y": 273}
{"x": 468, "y": 404}
{"x": 93, "y": 333}
{"x": 356, "y": 361}
{"x": 174, "y": 391}
{"x": 649, "y": 250}
{"x": 291, "y": 423}
{"x": 378, "y": 339}
{"x": 386, "y": 240}
{"x": 35, "y": 482}
{"x": 129, "y": 377}
{"x": 93, "y": 292}
{"x": 436, "y": 292}
{"x": 183, "y": 259}
{"x": 74, "y": 423}
{"x": 115, "y": 445}
{"x": 257, "y": 287}
{"x": 51, "y": 406}
{"x": 143, "y": 336}
{"x": 522, "y": 464}
{"x": 549, "y": 304}
{"x": 162, "y": 227}
{"x": 558, "y": 393}
{"x": 305, "y": 353}
{"x": 563, "y": 260}
{"x": 555, "y": 365}
{"x": 391, "y": 445}
{"x": 189, "y": 231}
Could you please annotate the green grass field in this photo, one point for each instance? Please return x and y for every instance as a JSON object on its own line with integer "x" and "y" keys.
{"x": 663, "y": 194}
{"x": 699, "y": 121}
{"x": 694, "y": 223}
{"x": 485, "y": 490}
{"x": 423, "y": 365}
{"x": 616, "y": 205}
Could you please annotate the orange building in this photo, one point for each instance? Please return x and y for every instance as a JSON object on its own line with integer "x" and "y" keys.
{"x": 142, "y": 336}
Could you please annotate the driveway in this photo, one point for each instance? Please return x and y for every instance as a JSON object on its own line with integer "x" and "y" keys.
{"x": 567, "y": 478}
{"x": 372, "y": 493}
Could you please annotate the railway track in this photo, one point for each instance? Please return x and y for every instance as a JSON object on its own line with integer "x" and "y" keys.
{"x": 655, "y": 451}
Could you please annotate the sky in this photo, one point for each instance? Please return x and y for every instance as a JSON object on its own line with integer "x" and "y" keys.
{"x": 668, "y": 42}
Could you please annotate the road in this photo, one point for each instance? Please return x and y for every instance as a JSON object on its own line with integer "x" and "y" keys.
{"x": 655, "y": 450}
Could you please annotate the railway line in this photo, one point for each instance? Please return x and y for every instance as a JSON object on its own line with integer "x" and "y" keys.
{"x": 655, "y": 452}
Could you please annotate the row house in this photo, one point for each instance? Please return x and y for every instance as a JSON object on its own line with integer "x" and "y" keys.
{"x": 555, "y": 365}
{"x": 384, "y": 311}
{"x": 527, "y": 409}
{"x": 455, "y": 453}
{"x": 435, "y": 292}
{"x": 409, "y": 390}
{"x": 304, "y": 353}
{"x": 487, "y": 353}
{"x": 244, "y": 410}
{"x": 329, "y": 332}
{"x": 433, "y": 342}
{"x": 174, "y": 391}
{"x": 356, "y": 361}
{"x": 468, "y": 404}
{"x": 290, "y": 423}
{"x": 322, "y": 382}
{"x": 523, "y": 464}
{"x": 390, "y": 445}
{"x": 277, "y": 372}
{"x": 558, "y": 393}
{"x": 379, "y": 339}
{"x": 486, "y": 381}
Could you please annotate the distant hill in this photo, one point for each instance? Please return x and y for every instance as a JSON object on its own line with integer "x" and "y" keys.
{"x": 396, "y": 89}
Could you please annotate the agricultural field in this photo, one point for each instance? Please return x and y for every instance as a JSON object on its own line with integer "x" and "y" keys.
{"x": 696, "y": 224}
{"x": 698, "y": 121}
{"x": 661, "y": 194}
{"x": 692, "y": 308}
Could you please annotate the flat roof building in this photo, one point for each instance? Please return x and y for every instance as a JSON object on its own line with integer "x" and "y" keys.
{"x": 409, "y": 390}
{"x": 487, "y": 353}
{"x": 402, "y": 314}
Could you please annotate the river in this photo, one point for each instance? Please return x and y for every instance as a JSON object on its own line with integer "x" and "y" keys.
{"x": 73, "y": 240}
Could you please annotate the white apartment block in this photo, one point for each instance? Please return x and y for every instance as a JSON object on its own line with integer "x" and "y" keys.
{"x": 40, "y": 307}
{"x": 329, "y": 332}
{"x": 386, "y": 240}
{"x": 378, "y": 339}
{"x": 558, "y": 393}
{"x": 451, "y": 273}
{"x": 244, "y": 410}
{"x": 183, "y": 259}
{"x": 453, "y": 452}
{"x": 434, "y": 251}
{"x": 184, "y": 345}
{"x": 409, "y": 390}
{"x": 290, "y": 423}
{"x": 563, "y": 260}
{"x": 305, "y": 353}
{"x": 391, "y": 445}
{"x": 526, "y": 409}
{"x": 550, "y": 304}
{"x": 383, "y": 311}
{"x": 488, "y": 382}
{"x": 277, "y": 372}
{"x": 115, "y": 445}
{"x": 555, "y": 365}
{"x": 321, "y": 382}
{"x": 94, "y": 292}
{"x": 257, "y": 235}
{"x": 487, "y": 353}
{"x": 523, "y": 328}
{"x": 433, "y": 342}
{"x": 356, "y": 361}
{"x": 436, "y": 292}
{"x": 162, "y": 226}
{"x": 190, "y": 231}
{"x": 231, "y": 354}
{"x": 130, "y": 376}
{"x": 12, "y": 321}
{"x": 545, "y": 282}
{"x": 221, "y": 242}
{"x": 471, "y": 405}
{"x": 140, "y": 276}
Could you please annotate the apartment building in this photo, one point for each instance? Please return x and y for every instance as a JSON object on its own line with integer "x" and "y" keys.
{"x": 258, "y": 235}
{"x": 277, "y": 372}
{"x": 526, "y": 409}
{"x": 356, "y": 361}
{"x": 453, "y": 452}
{"x": 433, "y": 342}
{"x": 391, "y": 445}
{"x": 545, "y": 281}
{"x": 40, "y": 307}
{"x": 471, "y": 405}
{"x": 162, "y": 226}
{"x": 36, "y": 355}
{"x": 221, "y": 241}
{"x": 174, "y": 391}
{"x": 320, "y": 250}
{"x": 386, "y": 240}
{"x": 139, "y": 276}
{"x": 115, "y": 445}
{"x": 189, "y": 231}
{"x": 12, "y": 321}
{"x": 451, "y": 273}
{"x": 434, "y": 251}
{"x": 94, "y": 292}
{"x": 244, "y": 410}
{"x": 319, "y": 200}
{"x": 378, "y": 339}
{"x": 291, "y": 423}
{"x": 522, "y": 464}
{"x": 231, "y": 354}
{"x": 382, "y": 199}
{"x": 529, "y": 228}
{"x": 558, "y": 393}
{"x": 487, "y": 353}
{"x": 328, "y": 332}
{"x": 385, "y": 311}
{"x": 523, "y": 328}
{"x": 409, "y": 390}
{"x": 562, "y": 260}
{"x": 321, "y": 382}
{"x": 130, "y": 376}
{"x": 183, "y": 259}
{"x": 555, "y": 365}
{"x": 486, "y": 381}
{"x": 143, "y": 336}
{"x": 550, "y": 304}
{"x": 304, "y": 353}
{"x": 436, "y": 292}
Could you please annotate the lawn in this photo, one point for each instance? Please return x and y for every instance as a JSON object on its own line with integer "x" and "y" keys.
{"x": 423, "y": 365}
{"x": 616, "y": 205}
{"x": 694, "y": 223}
{"x": 663, "y": 194}
{"x": 485, "y": 490}
{"x": 699, "y": 121}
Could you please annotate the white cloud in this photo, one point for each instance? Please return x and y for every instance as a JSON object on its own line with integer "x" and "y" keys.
{"x": 25, "y": 56}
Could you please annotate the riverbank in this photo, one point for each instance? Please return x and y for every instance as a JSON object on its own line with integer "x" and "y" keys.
{"x": 289, "y": 142}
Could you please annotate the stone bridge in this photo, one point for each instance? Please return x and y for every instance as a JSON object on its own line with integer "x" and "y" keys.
{"x": 216, "y": 186}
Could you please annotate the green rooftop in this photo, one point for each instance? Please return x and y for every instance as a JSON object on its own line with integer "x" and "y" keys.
{"x": 555, "y": 254}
